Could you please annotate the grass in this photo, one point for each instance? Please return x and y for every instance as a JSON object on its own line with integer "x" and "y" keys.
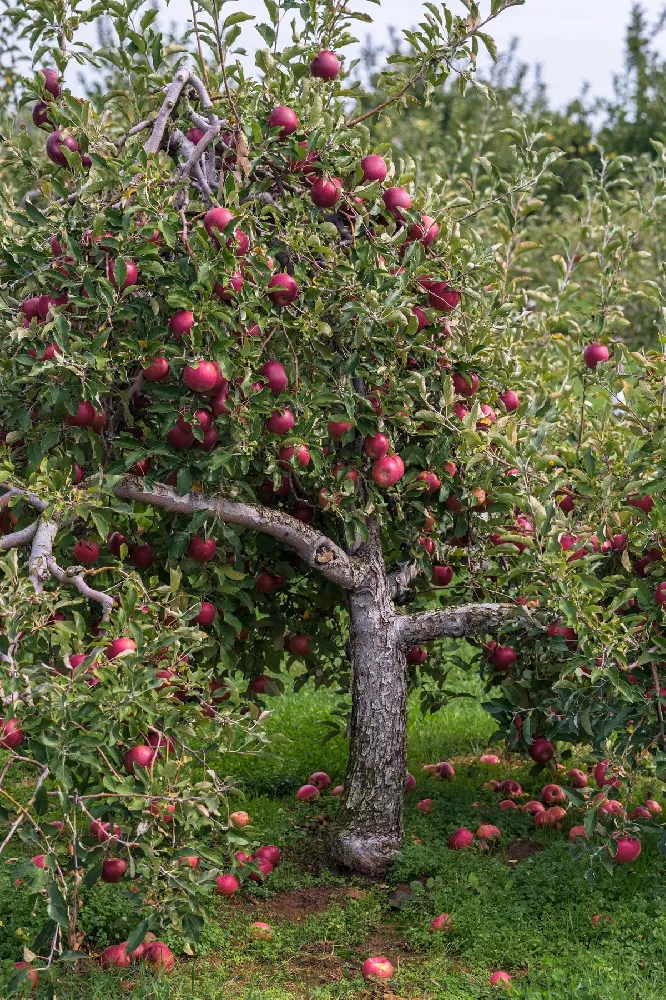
{"x": 531, "y": 917}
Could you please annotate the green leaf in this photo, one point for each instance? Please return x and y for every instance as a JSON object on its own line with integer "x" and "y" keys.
{"x": 136, "y": 935}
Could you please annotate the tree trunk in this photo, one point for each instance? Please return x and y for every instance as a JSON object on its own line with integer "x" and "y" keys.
{"x": 369, "y": 831}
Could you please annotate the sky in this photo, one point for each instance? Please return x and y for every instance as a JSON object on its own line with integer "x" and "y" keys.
{"x": 574, "y": 40}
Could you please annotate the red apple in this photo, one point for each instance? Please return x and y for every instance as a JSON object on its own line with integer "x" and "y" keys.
{"x": 377, "y": 967}
{"x": 445, "y": 771}
{"x": 307, "y": 792}
{"x": 195, "y": 135}
{"x": 387, "y": 471}
{"x": 510, "y": 400}
{"x": 298, "y": 452}
{"x": 395, "y": 199}
{"x": 426, "y": 231}
{"x": 228, "y": 292}
{"x": 442, "y": 297}
{"x": 374, "y": 168}
{"x": 602, "y": 777}
{"x": 416, "y": 655}
{"x": 240, "y": 819}
{"x": 159, "y": 955}
{"x": 577, "y": 778}
{"x": 489, "y": 758}
{"x": 466, "y": 385}
{"x": 628, "y": 849}
{"x": 120, "y": 646}
{"x": 550, "y": 794}
{"x": 139, "y": 756}
{"x": 338, "y": 428}
{"x": 271, "y": 853}
{"x": 282, "y": 289}
{"x": 595, "y": 354}
{"x": 188, "y": 861}
{"x": 488, "y": 832}
{"x": 325, "y": 193}
{"x": 275, "y": 375}
{"x": 201, "y": 549}
{"x": 281, "y": 422}
{"x": 40, "y": 115}
{"x": 51, "y": 81}
{"x": 86, "y": 552}
{"x": 261, "y": 931}
{"x": 227, "y": 885}
{"x": 115, "y": 955}
{"x": 157, "y": 370}
{"x": 299, "y": 646}
{"x": 444, "y": 923}
{"x": 181, "y": 323}
{"x": 511, "y": 788}
{"x": 113, "y": 869}
{"x": 285, "y": 119}
{"x": 575, "y": 833}
{"x": 142, "y": 556}
{"x": 206, "y": 614}
{"x": 131, "y": 273}
{"x": 264, "y": 868}
{"x": 500, "y": 978}
{"x": 325, "y": 65}
{"x": 55, "y": 144}
{"x": 201, "y": 378}
{"x": 442, "y": 575}
{"x": 216, "y": 221}
{"x": 432, "y": 482}
{"x": 84, "y": 415}
{"x": 461, "y": 839}
{"x": 541, "y": 750}
{"x": 501, "y": 657}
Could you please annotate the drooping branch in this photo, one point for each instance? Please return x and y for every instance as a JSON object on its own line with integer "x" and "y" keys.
{"x": 400, "y": 580}
{"x": 17, "y": 538}
{"x": 461, "y": 622}
{"x": 314, "y": 548}
{"x": 73, "y": 576}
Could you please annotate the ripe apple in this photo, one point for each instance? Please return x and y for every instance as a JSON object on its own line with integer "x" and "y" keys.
{"x": 461, "y": 839}
{"x": 307, "y": 792}
{"x": 416, "y": 655}
{"x": 51, "y": 81}
{"x": 645, "y": 503}
{"x": 595, "y": 354}
{"x": 628, "y": 849}
{"x": 181, "y": 323}
{"x": 261, "y": 931}
{"x": 115, "y": 955}
{"x": 271, "y": 853}
{"x": 488, "y": 832}
{"x": 445, "y": 771}
{"x": 432, "y": 481}
{"x": 465, "y": 385}
{"x": 195, "y": 135}
{"x": 507, "y": 804}
{"x": 84, "y": 416}
{"x": 501, "y": 657}
{"x": 275, "y": 375}
{"x": 228, "y": 292}
{"x": 325, "y": 65}
{"x": 489, "y": 758}
{"x": 387, "y": 471}
{"x": 374, "y": 168}
{"x": 500, "y": 978}
{"x": 576, "y": 832}
{"x": 201, "y": 549}
{"x": 86, "y": 552}
{"x": 281, "y": 422}
{"x": 410, "y": 785}
{"x": 239, "y": 818}
{"x": 377, "y": 967}
{"x": 577, "y": 778}
{"x": 510, "y": 788}
{"x": 142, "y": 556}
{"x": 338, "y": 428}
{"x": 120, "y": 646}
{"x": 444, "y": 923}
{"x": 299, "y": 646}
{"x": 131, "y": 275}
{"x": 206, "y": 614}
{"x": 201, "y": 378}
{"x": 338, "y": 790}
{"x": 442, "y": 297}
{"x": 541, "y": 750}
{"x": 40, "y": 115}
{"x": 533, "y": 807}
{"x": 282, "y": 289}
{"x": 157, "y": 370}
{"x": 640, "y": 812}
{"x": 299, "y": 452}
{"x": 54, "y": 147}
{"x": 113, "y": 869}
{"x": 602, "y": 777}
{"x": 426, "y": 231}
{"x": 653, "y": 806}
{"x": 442, "y": 575}
{"x": 216, "y": 221}
{"x": 227, "y": 885}
{"x": 510, "y": 400}
{"x": 264, "y": 868}
{"x": 395, "y": 199}
{"x": 158, "y": 954}
{"x": 269, "y": 583}
{"x": 285, "y": 119}
{"x": 139, "y": 756}
{"x": 550, "y": 794}
{"x": 428, "y": 544}
{"x": 326, "y": 193}
{"x": 189, "y": 861}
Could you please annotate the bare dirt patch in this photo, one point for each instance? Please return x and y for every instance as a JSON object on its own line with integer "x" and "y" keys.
{"x": 520, "y": 850}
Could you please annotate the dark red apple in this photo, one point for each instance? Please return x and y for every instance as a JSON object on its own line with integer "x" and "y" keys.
{"x": 86, "y": 552}
{"x": 157, "y": 370}
{"x": 376, "y": 446}
{"x": 200, "y": 378}
{"x": 395, "y": 199}
{"x": 181, "y": 323}
{"x": 282, "y": 289}
{"x": 325, "y": 65}
{"x": 275, "y": 375}
{"x": 201, "y": 549}
{"x": 442, "y": 575}
{"x": 326, "y": 193}
{"x": 280, "y": 422}
{"x": 510, "y": 400}
{"x": 595, "y": 354}
{"x": 374, "y": 168}
{"x": 131, "y": 275}
{"x": 55, "y": 144}
{"x": 120, "y": 646}
{"x": 113, "y": 869}
{"x": 461, "y": 839}
{"x": 139, "y": 756}
{"x": 11, "y": 734}
{"x": 285, "y": 119}
{"x": 227, "y": 885}
{"x": 387, "y": 471}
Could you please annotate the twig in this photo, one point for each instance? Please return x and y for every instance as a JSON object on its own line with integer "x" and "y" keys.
{"x": 660, "y": 711}
{"x": 17, "y": 822}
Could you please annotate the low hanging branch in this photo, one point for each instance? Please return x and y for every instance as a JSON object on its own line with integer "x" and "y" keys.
{"x": 74, "y": 577}
{"x": 314, "y": 548}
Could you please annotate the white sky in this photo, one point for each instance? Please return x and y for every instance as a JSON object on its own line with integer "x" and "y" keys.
{"x": 574, "y": 40}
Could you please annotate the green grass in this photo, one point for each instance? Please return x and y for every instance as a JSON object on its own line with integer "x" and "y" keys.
{"x": 532, "y": 918}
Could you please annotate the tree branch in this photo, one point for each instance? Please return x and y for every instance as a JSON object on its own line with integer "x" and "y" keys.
{"x": 174, "y": 90}
{"x": 74, "y": 576}
{"x": 400, "y": 580}
{"x": 40, "y": 553}
{"x": 317, "y": 550}
{"x": 18, "y": 538}
{"x": 461, "y": 622}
